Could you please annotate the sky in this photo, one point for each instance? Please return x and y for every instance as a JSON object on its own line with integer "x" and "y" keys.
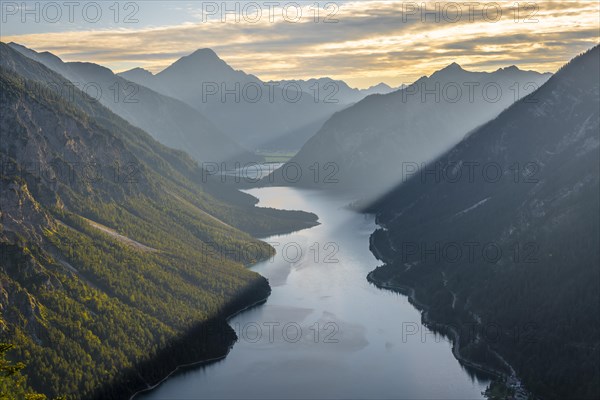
{"x": 361, "y": 42}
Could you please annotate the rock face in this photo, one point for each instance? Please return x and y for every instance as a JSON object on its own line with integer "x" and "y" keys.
{"x": 22, "y": 217}
{"x": 369, "y": 146}
{"x": 514, "y": 244}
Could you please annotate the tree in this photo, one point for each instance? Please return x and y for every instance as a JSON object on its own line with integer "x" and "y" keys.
{"x": 13, "y": 385}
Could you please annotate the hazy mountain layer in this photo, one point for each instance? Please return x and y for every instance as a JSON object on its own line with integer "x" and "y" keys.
{"x": 170, "y": 121}
{"x": 512, "y": 248}
{"x": 369, "y": 147}
{"x": 257, "y": 114}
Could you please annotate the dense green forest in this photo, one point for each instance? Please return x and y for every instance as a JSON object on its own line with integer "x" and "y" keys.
{"x": 13, "y": 385}
{"x": 113, "y": 248}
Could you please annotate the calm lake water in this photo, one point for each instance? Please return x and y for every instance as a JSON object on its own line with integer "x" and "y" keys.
{"x": 325, "y": 332}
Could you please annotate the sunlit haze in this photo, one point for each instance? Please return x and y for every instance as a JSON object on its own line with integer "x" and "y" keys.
{"x": 361, "y": 42}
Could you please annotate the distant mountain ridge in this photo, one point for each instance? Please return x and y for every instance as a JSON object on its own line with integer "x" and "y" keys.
{"x": 372, "y": 143}
{"x": 170, "y": 121}
{"x": 338, "y": 90}
{"x": 258, "y": 114}
{"x": 343, "y": 93}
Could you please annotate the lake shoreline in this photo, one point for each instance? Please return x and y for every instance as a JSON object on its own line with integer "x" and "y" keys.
{"x": 207, "y": 342}
{"x": 210, "y": 376}
{"x": 431, "y": 323}
{"x": 135, "y": 380}
{"x": 207, "y": 361}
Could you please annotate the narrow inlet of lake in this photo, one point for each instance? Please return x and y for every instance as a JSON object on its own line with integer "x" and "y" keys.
{"x": 325, "y": 332}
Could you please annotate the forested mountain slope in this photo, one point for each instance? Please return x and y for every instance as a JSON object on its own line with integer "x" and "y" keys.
{"x": 504, "y": 236}
{"x": 114, "y": 247}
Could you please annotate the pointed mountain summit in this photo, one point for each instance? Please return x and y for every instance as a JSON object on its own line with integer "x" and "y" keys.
{"x": 453, "y": 67}
{"x": 203, "y": 64}
{"x": 451, "y": 70}
{"x": 204, "y": 54}
{"x": 200, "y": 56}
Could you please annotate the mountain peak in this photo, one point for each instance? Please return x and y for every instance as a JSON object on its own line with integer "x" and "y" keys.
{"x": 44, "y": 57}
{"x": 202, "y": 61}
{"x": 202, "y": 57}
{"x": 204, "y": 54}
{"x": 512, "y": 68}
{"x": 137, "y": 71}
{"x": 449, "y": 70}
{"x": 453, "y": 67}
{"x": 141, "y": 70}
{"x": 14, "y": 45}
{"x": 380, "y": 85}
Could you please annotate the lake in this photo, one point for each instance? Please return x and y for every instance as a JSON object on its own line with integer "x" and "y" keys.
{"x": 325, "y": 332}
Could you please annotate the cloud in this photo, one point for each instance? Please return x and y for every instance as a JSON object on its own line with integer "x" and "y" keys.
{"x": 372, "y": 41}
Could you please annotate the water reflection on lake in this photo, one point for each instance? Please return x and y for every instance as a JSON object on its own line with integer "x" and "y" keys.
{"x": 325, "y": 332}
